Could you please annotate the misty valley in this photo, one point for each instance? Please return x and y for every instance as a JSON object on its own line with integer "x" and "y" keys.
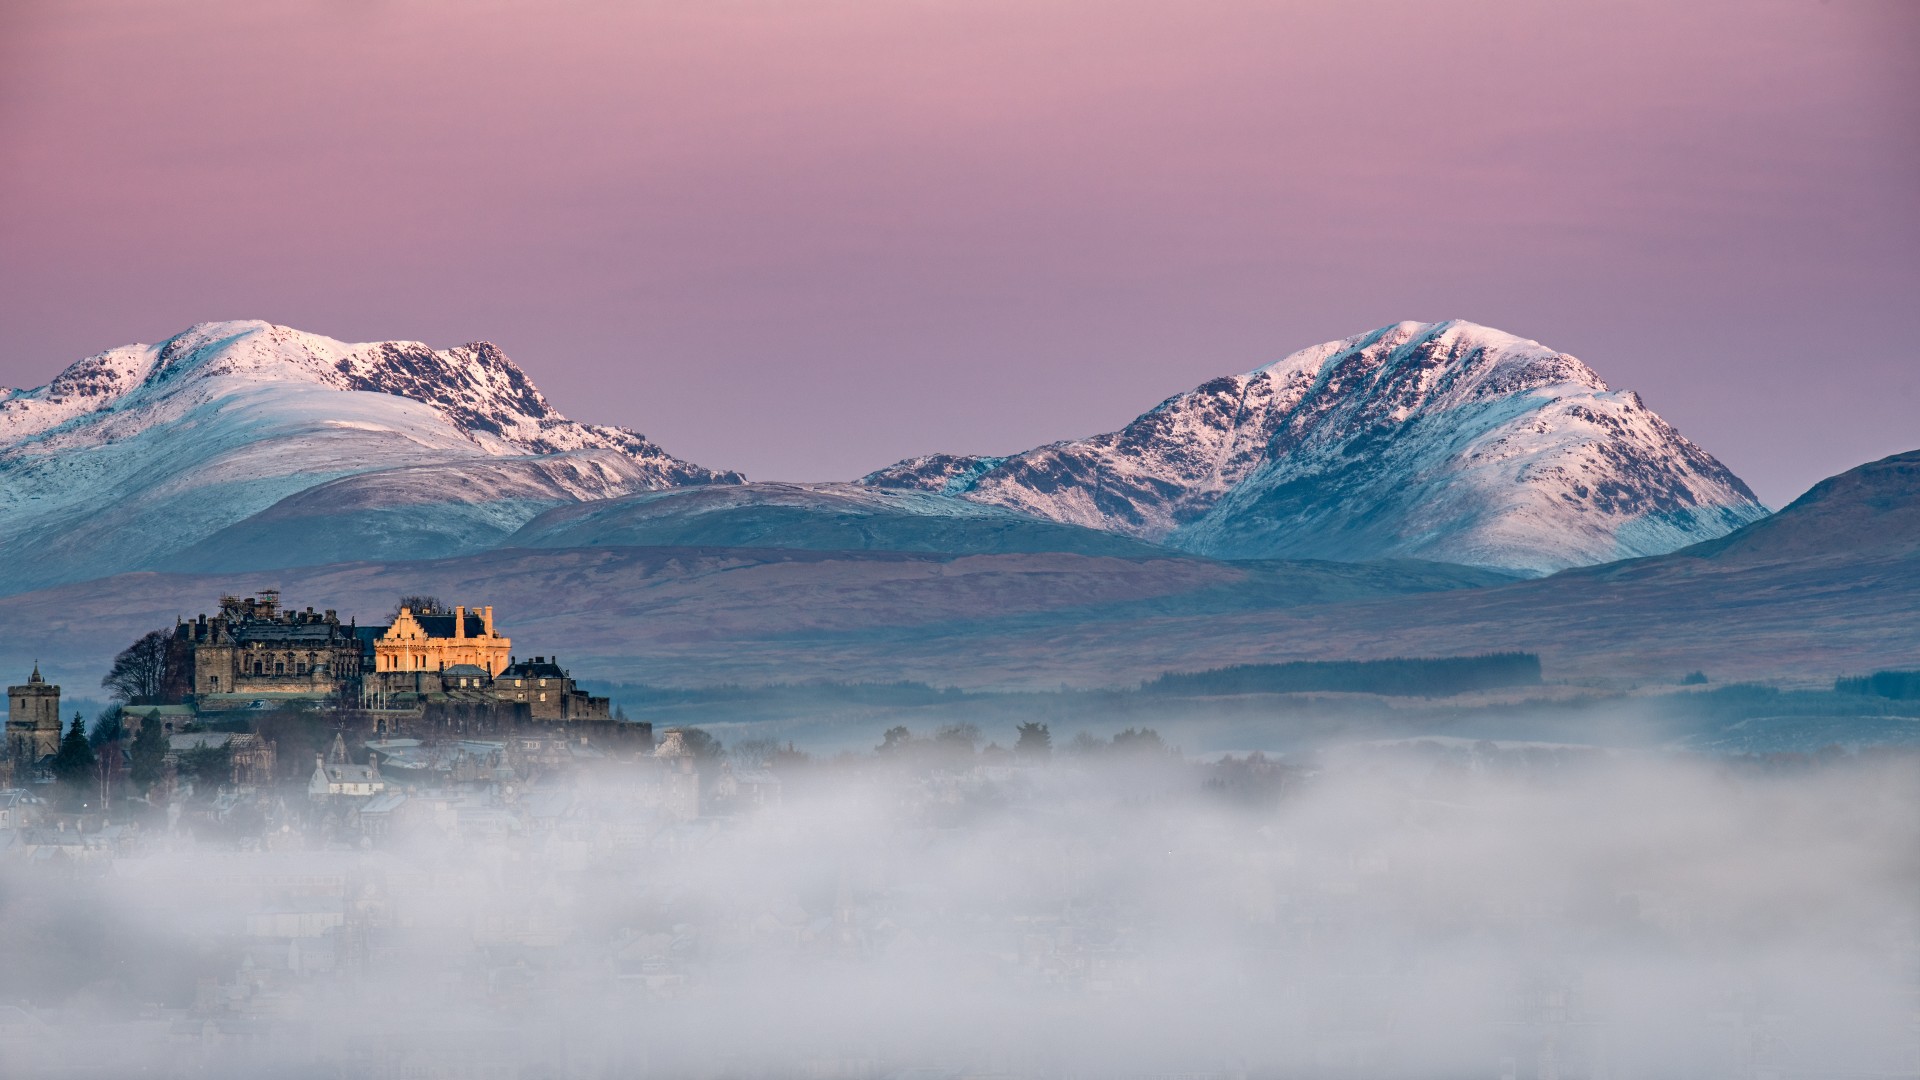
{"x": 991, "y": 902}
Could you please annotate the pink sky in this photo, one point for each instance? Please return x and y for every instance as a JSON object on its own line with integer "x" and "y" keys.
{"x": 806, "y": 239}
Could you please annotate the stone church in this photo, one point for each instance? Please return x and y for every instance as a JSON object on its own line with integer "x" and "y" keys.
{"x": 33, "y": 722}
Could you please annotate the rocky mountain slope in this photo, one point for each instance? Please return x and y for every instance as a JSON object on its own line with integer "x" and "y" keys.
{"x": 1448, "y": 441}
{"x": 137, "y": 455}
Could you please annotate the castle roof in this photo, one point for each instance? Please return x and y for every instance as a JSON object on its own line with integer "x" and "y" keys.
{"x": 206, "y": 740}
{"x": 351, "y": 774}
{"x": 35, "y": 686}
{"x": 540, "y": 667}
{"x": 291, "y": 633}
{"x": 441, "y": 625}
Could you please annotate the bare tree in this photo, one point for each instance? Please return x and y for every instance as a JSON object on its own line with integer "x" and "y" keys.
{"x": 418, "y": 604}
{"x": 144, "y": 670}
{"x": 753, "y": 753}
{"x": 706, "y": 749}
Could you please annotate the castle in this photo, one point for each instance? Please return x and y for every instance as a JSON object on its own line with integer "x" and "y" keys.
{"x": 255, "y": 651}
{"x": 430, "y": 669}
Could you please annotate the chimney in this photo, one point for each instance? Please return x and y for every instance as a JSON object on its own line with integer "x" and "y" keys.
{"x": 486, "y": 616}
{"x": 460, "y": 621}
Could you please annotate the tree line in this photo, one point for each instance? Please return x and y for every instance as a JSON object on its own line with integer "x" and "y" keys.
{"x": 1894, "y": 685}
{"x": 1400, "y": 677}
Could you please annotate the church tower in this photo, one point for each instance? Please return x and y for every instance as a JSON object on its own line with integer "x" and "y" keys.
{"x": 33, "y": 721}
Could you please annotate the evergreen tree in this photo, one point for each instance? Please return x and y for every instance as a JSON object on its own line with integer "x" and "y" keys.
{"x": 73, "y": 763}
{"x": 149, "y": 752}
{"x": 1035, "y": 743}
{"x": 1086, "y": 743}
{"x": 107, "y": 727}
{"x": 1145, "y": 740}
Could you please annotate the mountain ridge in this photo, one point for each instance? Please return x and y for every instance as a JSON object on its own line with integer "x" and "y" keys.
{"x": 245, "y": 444}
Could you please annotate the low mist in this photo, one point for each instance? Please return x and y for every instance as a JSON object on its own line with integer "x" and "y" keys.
{"x": 1105, "y": 908}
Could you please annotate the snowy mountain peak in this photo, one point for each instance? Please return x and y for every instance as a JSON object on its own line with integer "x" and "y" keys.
{"x": 1448, "y": 441}
{"x": 475, "y": 387}
{"x": 1457, "y": 361}
{"x": 175, "y": 441}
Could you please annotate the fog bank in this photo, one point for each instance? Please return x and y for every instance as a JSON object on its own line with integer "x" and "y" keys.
{"x": 1409, "y": 910}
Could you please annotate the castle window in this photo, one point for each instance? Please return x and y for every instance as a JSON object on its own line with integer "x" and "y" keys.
{"x": 279, "y": 667}
{"x": 300, "y": 668}
{"x": 258, "y": 668}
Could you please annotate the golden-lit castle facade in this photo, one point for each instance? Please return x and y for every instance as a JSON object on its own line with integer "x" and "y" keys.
{"x": 436, "y": 640}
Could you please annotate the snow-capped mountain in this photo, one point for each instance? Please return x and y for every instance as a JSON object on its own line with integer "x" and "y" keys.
{"x": 1445, "y": 441}
{"x": 131, "y": 457}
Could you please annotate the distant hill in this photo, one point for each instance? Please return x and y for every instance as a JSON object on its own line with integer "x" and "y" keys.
{"x": 692, "y": 616}
{"x": 1870, "y": 510}
{"x": 818, "y": 517}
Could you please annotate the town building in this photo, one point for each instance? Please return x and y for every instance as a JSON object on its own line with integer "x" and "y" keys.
{"x": 20, "y": 809}
{"x": 249, "y": 758}
{"x": 679, "y": 780}
{"x": 537, "y": 689}
{"x": 335, "y": 776}
{"x": 547, "y": 690}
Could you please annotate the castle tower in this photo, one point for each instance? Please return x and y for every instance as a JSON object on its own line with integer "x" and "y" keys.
{"x": 681, "y": 782}
{"x": 33, "y": 720}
